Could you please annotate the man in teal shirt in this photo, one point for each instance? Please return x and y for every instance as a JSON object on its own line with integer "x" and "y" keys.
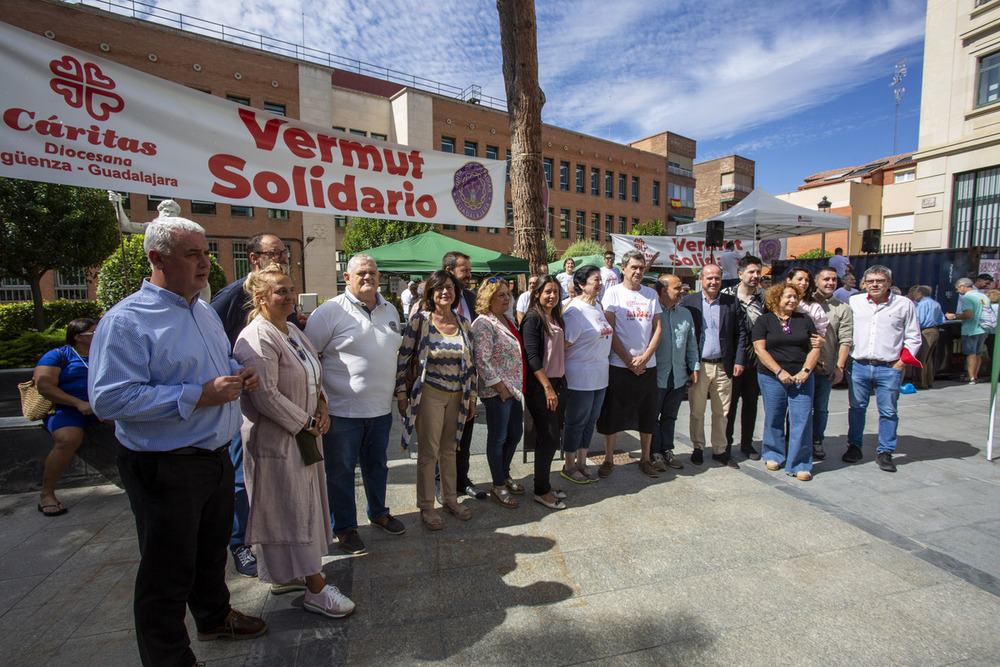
{"x": 971, "y": 304}
{"x": 677, "y": 368}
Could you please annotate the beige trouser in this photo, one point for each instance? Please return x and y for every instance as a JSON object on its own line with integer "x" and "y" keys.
{"x": 437, "y": 421}
{"x": 712, "y": 381}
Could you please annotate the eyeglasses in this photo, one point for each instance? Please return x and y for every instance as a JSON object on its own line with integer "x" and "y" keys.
{"x": 445, "y": 288}
{"x": 275, "y": 253}
{"x": 495, "y": 279}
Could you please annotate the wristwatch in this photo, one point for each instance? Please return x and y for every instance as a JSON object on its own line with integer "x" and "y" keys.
{"x": 807, "y": 370}
{"x": 312, "y": 424}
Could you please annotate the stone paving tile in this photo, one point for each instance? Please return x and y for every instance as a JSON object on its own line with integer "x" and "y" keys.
{"x": 114, "y": 648}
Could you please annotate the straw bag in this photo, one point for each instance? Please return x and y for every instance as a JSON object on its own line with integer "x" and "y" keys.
{"x": 34, "y": 406}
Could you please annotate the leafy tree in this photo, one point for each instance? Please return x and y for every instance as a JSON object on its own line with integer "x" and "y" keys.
{"x": 813, "y": 254}
{"x": 551, "y": 251}
{"x": 649, "y": 228}
{"x": 114, "y": 283}
{"x": 46, "y": 227}
{"x": 583, "y": 247}
{"x": 367, "y": 233}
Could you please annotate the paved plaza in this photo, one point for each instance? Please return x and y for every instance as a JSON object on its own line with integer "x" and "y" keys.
{"x": 705, "y": 565}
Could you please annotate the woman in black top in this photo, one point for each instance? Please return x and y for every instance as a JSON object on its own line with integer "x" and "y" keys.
{"x": 786, "y": 358}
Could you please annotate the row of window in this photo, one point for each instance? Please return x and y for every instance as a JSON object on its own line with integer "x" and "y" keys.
{"x": 208, "y": 208}
{"x": 988, "y": 85}
{"x": 588, "y": 226}
{"x": 362, "y": 133}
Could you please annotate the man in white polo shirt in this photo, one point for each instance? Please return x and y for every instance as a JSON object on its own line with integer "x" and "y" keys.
{"x": 357, "y": 335}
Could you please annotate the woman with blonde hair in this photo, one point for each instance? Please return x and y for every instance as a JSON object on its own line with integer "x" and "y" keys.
{"x": 500, "y": 365}
{"x": 289, "y": 512}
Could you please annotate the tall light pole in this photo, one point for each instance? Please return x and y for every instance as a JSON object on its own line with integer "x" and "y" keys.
{"x": 898, "y": 91}
{"x": 824, "y": 207}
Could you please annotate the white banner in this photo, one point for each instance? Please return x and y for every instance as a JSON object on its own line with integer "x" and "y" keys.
{"x": 674, "y": 251}
{"x": 77, "y": 119}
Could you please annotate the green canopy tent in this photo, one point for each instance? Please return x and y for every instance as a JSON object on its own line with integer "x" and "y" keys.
{"x": 421, "y": 254}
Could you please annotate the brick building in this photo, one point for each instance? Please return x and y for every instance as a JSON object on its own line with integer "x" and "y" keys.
{"x": 721, "y": 184}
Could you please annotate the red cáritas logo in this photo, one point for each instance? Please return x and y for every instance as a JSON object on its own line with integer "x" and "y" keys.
{"x": 85, "y": 85}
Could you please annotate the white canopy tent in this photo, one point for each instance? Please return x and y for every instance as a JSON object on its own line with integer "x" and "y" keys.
{"x": 761, "y": 215}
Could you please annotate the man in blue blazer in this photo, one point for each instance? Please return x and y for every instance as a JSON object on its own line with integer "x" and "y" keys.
{"x": 722, "y": 338}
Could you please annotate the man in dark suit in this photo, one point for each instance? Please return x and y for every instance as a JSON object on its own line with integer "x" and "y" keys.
{"x": 460, "y": 267}
{"x": 722, "y": 336}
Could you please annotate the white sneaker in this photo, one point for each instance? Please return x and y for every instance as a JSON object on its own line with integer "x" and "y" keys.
{"x": 329, "y": 602}
{"x": 659, "y": 463}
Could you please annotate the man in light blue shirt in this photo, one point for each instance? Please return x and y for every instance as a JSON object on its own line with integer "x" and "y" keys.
{"x": 160, "y": 367}
{"x": 677, "y": 366}
{"x": 930, "y": 317}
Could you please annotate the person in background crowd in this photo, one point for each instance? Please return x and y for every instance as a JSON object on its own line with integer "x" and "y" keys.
{"x": 588, "y": 344}
{"x": 160, "y": 367}
{"x": 930, "y": 317}
{"x": 358, "y": 335}
{"x": 840, "y": 264}
{"x": 677, "y": 367}
{"x": 886, "y": 336}
{"x": 566, "y": 277}
{"x": 543, "y": 332}
{"x": 782, "y": 339}
{"x": 973, "y": 333}
{"x": 611, "y": 275}
{"x": 722, "y": 336}
{"x": 633, "y": 311}
{"x": 460, "y": 267}
{"x": 441, "y": 402}
{"x": 803, "y": 278}
{"x": 406, "y": 298}
{"x": 765, "y": 281}
{"x": 233, "y": 307}
{"x": 848, "y": 290}
{"x": 524, "y": 299}
{"x": 61, "y": 377}
{"x": 501, "y": 367}
{"x": 833, "y": 354}
{"x": 984, "y": 281}
{"x": 750, "y": 298}
{"x": 289, "y": 517}
{"x": 729, "y": 261}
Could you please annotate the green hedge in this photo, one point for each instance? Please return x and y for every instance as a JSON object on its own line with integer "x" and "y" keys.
{"x": 19, "y": 317}
{"x": 25, "y": 350}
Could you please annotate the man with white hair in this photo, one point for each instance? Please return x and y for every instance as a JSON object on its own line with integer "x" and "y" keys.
{"x": 357, "y": 334}
{"x": 160, "y": 368}
{"x": 971, "y": 305}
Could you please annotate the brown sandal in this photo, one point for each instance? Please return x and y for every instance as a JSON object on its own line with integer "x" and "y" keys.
{"x": 501, "y": 495}
{"x": 459, "y": 511}
{"x": 431, "y": 519}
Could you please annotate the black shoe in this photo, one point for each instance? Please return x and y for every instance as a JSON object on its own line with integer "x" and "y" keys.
{"x": 245, "y": 561}
{"x": 723, "y": 459}
{"x": 750, "y": 452}
{"x": 389, "y": 524}
{"x": 351, "y": 542}
{"x": 697, "y": 458}
{"x": 473, "y": 492}
{"x": 729, "y": 449}
{"x": 852, "y": 455}
{"x": 818, "y": 452}
{"x": 885, "y": 463}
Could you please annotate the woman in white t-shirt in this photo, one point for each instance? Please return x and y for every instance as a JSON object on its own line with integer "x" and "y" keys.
{"x": 588, "y": 344}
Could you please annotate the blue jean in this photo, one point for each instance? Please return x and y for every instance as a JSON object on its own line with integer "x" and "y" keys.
{"x": 241, "y": 511}
{"x": 668, "y": 402}
{"x": 582, "y": 410}
{"x": 797, "y": 401}
{"x": 504, "y": 427}
{"x": 884, "y": 381}
{"x": 821, "y": 407}
{"x": 349, "y": 441}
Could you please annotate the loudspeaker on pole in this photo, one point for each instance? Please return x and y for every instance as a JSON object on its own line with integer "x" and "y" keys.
{"x": 715, "y": 231}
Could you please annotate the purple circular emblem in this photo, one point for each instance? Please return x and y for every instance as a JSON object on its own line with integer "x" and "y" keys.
{"x": 769, "y": 249}
{"x": 472, "y": 191}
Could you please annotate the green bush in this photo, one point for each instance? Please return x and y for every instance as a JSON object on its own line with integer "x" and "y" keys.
{"x": 19, "y": 317}
{"x": 813, "y": 254}
{"x": 583, "y": 248}
{"x": 25, "y": 350}
{"x": 551, "y": 252}
{"x": 649, "y": 228}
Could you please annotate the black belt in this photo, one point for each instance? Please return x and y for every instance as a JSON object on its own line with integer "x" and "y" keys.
{"x": 873, "y": 362}
{"x": 716, "y": 360}
{"x": 196, "y": 451}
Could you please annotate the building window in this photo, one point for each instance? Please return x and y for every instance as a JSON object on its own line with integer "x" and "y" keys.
{"x": 579, "y": 178}
{"x": 609, "y": 187}
{"x": 338, "y": 128}
{"x": 340, "y": 221}
{"x": 904, "y": 176}
{"x": 341, "y": 269}
{"x": 277, "y": 109}
{"x": 680, "y": 196}
{"x": 988, "y": 88}
{"x": 472, "y": 229}
{"x": 897, "y": 224}
{"x": 492, "y": 230}
{"x": 621, "y": 224}
{"x": 379, "y": 137}
{"x": 278, "y": 214}
{"x": 14, "y": 289}
{"x": 71, "y": 285}
{"x": 245, "y": 101}
{"x": 621, "y": 186}
{"x": 449, "y": 228}
{"x": 635, "y": 189}
{"x": 635, "y": 222}
{"x": 492, "y": 153}
{"x": 241, "y": 260}
{"x": 510, "y": 215}
{"x": 564, "y": 223}
{"x": 595, "y": 181}
{"x": 213, "y": 248}
{"x": 152, "y": 201}
{"x": 975, "y": 216}
{"x": 656, "y": 193}
{"x": 609, "y": 223}
{"x": 359, "y": 133}
{"x": 447, "y": 145}
{"x": 471, "y": 148}
{"x": 241, "y": 211}
{"x": 581, "y": 222}
{"x": 202, "y": 207}
{"x": 676, "y": 168}
{"x": 564, "y": 176}
{"x": 547, "y": 166}
{"x": 550, "y": 223}
{"x": 595, "y": 226}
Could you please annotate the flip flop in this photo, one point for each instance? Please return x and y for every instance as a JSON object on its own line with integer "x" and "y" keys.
{"x": 63, "y": 509}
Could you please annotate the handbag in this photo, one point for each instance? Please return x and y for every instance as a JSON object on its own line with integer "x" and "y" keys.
{"x": 308, "y": 447}
{"x": 413, "y": 365}
{"x": 34, "y": 406}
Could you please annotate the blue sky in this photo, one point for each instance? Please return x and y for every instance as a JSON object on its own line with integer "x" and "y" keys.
{"x": 799, "y": 87}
